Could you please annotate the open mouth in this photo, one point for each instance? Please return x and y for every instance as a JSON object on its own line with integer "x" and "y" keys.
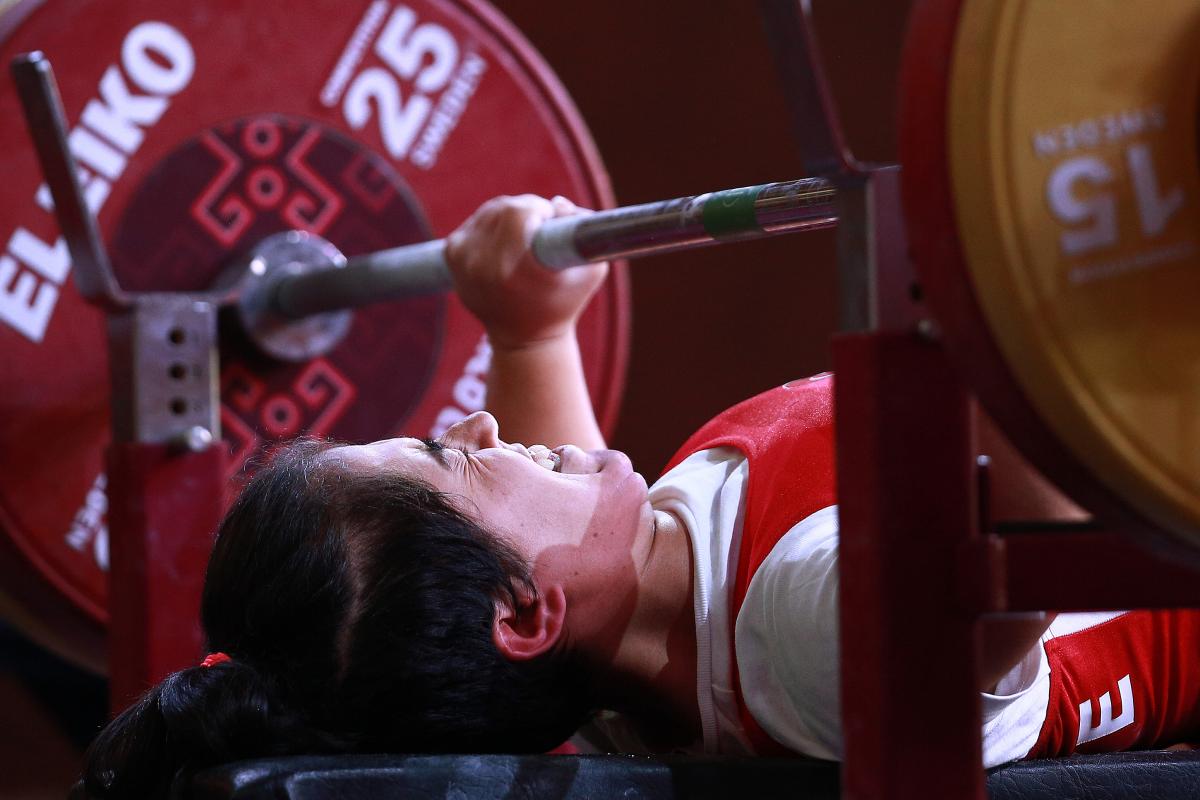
{"x": 545, "y": 457}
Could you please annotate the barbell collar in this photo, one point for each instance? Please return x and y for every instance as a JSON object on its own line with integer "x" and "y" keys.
{"x": 667, "y": 226}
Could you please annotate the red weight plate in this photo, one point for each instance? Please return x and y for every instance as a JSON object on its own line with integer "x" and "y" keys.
{"x": 203, "y": 126}
{"x": 937, "y": 249}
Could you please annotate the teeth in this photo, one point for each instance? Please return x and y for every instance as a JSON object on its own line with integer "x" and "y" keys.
{"x": 546, "y": 458}
{"x": 550, "y": 461}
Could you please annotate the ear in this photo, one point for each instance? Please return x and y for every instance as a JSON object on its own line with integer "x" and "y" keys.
{"x": 533, "y": 627}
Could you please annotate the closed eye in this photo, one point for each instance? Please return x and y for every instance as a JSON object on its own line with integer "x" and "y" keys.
{"x": 436, "y": 449}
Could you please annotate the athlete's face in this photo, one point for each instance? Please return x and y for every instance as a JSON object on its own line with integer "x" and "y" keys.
{"x": 570, "y": 513}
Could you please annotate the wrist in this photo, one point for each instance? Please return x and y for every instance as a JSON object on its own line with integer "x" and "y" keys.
{"x": 507, "y": 342}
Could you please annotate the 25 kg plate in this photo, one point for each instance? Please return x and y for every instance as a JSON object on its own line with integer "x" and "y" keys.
{"x": 202, "y": 126}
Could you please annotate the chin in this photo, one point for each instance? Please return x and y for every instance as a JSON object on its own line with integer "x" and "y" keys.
{"x": 637, "y": 484}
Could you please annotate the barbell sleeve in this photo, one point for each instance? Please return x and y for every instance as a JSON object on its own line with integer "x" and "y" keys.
{"x": 666, "y": 226}
{"x": 413, "y": 269}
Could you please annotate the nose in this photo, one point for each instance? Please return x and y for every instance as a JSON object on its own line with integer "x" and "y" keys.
{"x": 476, "y": 432}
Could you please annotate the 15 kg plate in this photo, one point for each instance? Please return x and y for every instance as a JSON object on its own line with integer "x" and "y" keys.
{"x": 204, "y": 125}
{"x": 1059, "y": 141}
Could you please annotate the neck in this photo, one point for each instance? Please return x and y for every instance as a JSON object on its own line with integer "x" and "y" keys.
{"x": 654, "y": 668}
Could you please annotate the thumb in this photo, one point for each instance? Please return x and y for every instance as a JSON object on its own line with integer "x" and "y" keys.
{"x": 564, "y": 207}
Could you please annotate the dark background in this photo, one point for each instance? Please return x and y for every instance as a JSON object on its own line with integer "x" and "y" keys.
{"x": 681, "y": 97}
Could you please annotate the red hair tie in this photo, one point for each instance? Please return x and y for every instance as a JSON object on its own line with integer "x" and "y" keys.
{"x": 212, "y": 659}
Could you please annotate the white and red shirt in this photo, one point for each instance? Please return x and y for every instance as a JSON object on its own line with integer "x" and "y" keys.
{"x": 755, "y": 490}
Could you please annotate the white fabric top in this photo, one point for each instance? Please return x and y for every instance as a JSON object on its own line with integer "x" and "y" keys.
{"x": 706, "y": 492}
{"x": 787, "y": 630}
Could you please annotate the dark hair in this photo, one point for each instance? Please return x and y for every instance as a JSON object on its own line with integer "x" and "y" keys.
{"x": 357, "y": 609}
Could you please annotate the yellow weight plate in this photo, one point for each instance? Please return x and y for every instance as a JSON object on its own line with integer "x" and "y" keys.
{"x": 1073, "y": 157}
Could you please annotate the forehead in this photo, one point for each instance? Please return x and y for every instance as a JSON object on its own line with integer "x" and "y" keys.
{"x": 409, "y": 455}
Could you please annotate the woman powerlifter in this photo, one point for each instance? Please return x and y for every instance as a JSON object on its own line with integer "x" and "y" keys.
{"x": 473, "y": 594}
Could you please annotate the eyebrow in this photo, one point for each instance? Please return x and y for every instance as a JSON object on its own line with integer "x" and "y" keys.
{"x": 437, "y": 450}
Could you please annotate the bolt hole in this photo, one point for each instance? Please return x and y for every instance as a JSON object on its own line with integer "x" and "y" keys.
{"x": 178, "y": 406}
{"x": 177, "y": 371}
{"x": 176, "y": 336}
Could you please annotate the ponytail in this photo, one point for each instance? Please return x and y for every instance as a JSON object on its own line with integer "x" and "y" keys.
{"x": 195, "y": 718}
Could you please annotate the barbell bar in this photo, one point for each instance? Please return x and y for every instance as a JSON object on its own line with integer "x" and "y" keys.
{"x": 651, "y": 228}
{"x": 294, "y": 290}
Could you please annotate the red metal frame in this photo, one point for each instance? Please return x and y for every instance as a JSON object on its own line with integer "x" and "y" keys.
{"x": 1091, "y": 570}
{"x": 165, "y": 506}
{"x": 917, "y": 574}
{"x": 906, "y": 506}
{"x": 916, "y": 571}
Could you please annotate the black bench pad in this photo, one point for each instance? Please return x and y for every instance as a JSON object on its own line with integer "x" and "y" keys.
{"x": 1151, "y": 775}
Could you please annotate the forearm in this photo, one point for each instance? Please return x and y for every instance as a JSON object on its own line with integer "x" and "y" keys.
{"x": 1005, "y": 643}
{"x": 539, "y": 395}
{"x": 536, "y": 387}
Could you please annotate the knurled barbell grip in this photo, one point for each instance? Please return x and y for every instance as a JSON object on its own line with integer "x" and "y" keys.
{"x": 666, "y": 226}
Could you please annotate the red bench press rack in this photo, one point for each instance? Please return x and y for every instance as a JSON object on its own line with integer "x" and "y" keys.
{"x": 920, "y": 562}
